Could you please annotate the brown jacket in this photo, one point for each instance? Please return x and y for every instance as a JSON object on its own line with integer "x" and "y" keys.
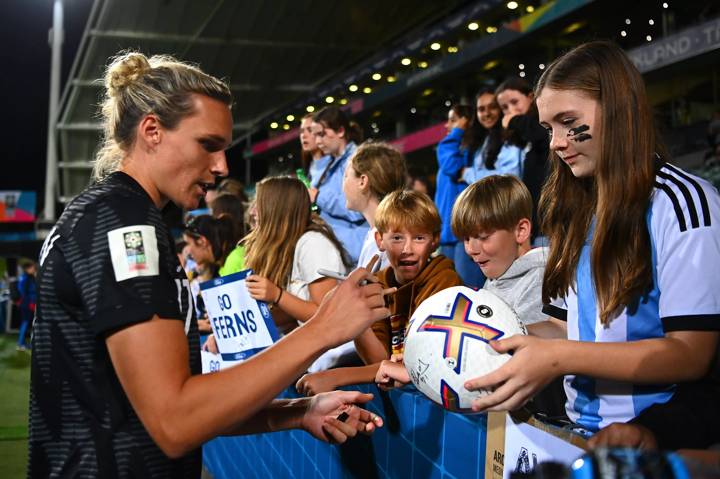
{"x": 437, "y": 275}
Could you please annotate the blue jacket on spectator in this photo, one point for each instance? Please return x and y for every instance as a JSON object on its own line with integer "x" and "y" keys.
{"x": 350, "y": 227}
{"x": 316, "y": 169}
{"x": 509, "y": 161}
{"x": 452, "y": 158}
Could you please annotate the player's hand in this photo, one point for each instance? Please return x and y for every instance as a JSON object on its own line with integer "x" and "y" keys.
{"x": 532, "y": 366}
{"x": 391, "y": 374}
{"x": 350, "y": 308}
{"x": 313, "y": 192}
{"x": 334, "y": 417}
{"x": 262, "y": 289}
{"x": 315, "y": 383}
{"x": 624, "y": 435}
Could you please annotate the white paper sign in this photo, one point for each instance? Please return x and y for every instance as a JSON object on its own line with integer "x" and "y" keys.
{"x": 526, "y": 446}
{"x": 242, "y": 326}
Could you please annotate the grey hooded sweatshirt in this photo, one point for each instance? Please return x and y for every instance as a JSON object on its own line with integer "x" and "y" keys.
{"x": 521, "y": 285}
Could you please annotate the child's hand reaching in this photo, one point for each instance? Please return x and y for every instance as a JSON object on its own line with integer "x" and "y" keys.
{"x": 392, "y": 373}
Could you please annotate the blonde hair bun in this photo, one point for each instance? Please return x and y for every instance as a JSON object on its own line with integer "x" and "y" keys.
{"x": 125, "y": 69}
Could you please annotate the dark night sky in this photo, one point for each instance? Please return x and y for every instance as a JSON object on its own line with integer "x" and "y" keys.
{"x": 25, "y": 84}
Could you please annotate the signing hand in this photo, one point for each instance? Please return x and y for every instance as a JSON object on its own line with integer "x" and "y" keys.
{"x": 624, "y": 435}
{"x": 321, "y": 417}
{"x": 349, "y": 309}
{"x": 532, "y": 366}
{"x": 261, "y": 288}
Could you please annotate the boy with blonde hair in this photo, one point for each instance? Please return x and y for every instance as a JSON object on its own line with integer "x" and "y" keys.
{"x": 493, "y": 217}
{"x": 408, "y": 231}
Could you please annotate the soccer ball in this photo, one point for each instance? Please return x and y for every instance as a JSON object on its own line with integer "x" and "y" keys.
{"x": 447, "y": 343}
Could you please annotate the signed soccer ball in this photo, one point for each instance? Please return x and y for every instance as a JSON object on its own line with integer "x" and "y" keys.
{"x": 447, "y": 343}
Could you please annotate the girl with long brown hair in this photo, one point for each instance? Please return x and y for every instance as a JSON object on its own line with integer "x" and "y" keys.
{"x": 631, "y": 278}
{"x": 286, "y": 249}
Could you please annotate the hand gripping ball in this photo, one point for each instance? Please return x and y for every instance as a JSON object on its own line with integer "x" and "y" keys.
{"x": 447, "y": 343}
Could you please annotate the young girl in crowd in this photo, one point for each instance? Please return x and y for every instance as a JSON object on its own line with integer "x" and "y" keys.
{"x": 520, "y": 120}
{"x": 313, "y": 159}
{"x": 463, "y": 137}
{"x": 338, "y": 137}
{"x": 375, "y": 170}
{"x": 285, "y": 250}
{"x": 634, "y": 253}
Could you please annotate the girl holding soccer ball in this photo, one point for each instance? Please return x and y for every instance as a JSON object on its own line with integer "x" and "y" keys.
{"x": 631, "y": 279}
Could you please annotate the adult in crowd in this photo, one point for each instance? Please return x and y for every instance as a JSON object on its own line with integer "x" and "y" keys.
{"x": 314, "y": 161}
{"x": 464, "y": 137}
{"x": 520, "y": 120}
{"x": 285, "y": 251}
{"x": 338, "y": 137}
{"x": 27, "y": 290}
{"x": 115, "y": 383}
{"x": 634, "y": 249}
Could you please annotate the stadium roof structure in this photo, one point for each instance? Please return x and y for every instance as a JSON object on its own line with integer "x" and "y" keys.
{"x": 272, "y": 53}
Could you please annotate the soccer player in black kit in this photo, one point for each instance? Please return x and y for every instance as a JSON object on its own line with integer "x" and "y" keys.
{"x": 115, "y": 385}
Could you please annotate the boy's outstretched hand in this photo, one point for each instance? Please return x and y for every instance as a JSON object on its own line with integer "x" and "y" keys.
{"x": 334, "y": 417}
{"x": 392, "y": 373}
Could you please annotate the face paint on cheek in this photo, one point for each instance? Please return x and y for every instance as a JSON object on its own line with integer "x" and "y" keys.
{"x": 578, "y": 134}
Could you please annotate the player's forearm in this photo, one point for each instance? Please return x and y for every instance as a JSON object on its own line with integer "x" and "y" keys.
{"x": 649, "y": 361}
{"x": 279, "y": 415}
{"x": 240, "y": 392}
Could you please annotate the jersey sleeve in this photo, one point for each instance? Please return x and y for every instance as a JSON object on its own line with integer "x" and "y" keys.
{"x": 685, "y": 231}
{"x": 120, "y": 257}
